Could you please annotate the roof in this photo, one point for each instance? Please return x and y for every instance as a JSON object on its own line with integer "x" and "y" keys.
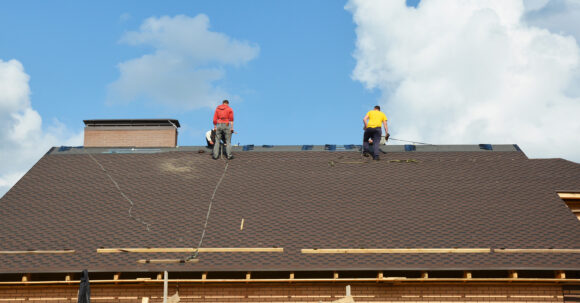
{"x": 323, "y": 198}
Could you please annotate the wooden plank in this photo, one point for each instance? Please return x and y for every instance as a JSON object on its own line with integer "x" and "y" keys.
{"x": 335, "y": 276}
{"x": 424, "y": 275}
{"x": 248, "y": 276}
{"x": 560, "y": 274}
{"x": 26, "y": 278}
{"x": 34, "y": 252}
{"x": 191, "y": 250}
{"x": 467, "y": 275}
{"x": 158, "y": 261}
{"x": 513, "y": 274}
{"x": 395, "y": 250}
{"x": 571, "y": 196}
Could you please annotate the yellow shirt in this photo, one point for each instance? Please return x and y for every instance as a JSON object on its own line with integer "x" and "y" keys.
{"x": 376, "y": 118}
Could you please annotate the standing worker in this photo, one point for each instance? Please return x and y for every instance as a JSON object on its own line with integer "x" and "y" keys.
{"x": 223, "y": 124}
{"x": 372, "y": 126}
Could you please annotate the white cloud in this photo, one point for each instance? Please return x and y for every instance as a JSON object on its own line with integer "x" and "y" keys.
{"x": 457, "y": 72}
{"x": 22, "y": 139}
{"x": 559, "y": 16}
{"x": 188, "y": 61}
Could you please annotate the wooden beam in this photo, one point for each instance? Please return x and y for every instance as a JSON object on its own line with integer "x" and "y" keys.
{"x": 424, "y": 275}
{"x": 160, "y": 276}
{"x": 248, "y": 276}
{"x": 335, "y": 275}
{"x": 34, "y": 252}
{"x": 291, "y": 276}
{"x": 395, "y": 250}
{"x": 380, "y": 276}
{"x": 571, "y": 196}
{"x": 191, "y": 250}
{"x": 204, "y": 276}
{"x": 560, "y": 274}
{"x": 26, "y": 278}
{"x": 67, "y": 277}
{"x": 513, "y": 274}
{"x": 117, "y": 276}
{"x": 467, "y": 275}
{"x": 158, "y": 261}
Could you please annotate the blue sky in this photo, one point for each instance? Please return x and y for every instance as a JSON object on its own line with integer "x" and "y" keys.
{"x": 297, "y": 90}
{"x": 296, "y": 72}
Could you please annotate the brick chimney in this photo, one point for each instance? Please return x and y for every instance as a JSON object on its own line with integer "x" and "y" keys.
{"x": 131, "y": 133}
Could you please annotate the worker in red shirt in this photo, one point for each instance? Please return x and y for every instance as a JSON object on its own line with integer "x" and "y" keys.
{"x": 223, "y": 124}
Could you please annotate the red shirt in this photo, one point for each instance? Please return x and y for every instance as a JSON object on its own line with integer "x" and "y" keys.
{"x": 223, "y": 114}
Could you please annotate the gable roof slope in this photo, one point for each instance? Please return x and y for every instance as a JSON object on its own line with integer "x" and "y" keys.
{"x": 294, "y": 200}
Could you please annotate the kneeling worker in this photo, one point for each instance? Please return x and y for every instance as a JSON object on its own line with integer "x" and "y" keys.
{"x": 373, "y": 121}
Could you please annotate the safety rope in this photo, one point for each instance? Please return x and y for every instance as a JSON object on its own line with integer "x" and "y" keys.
{"x": 196, "y": 252}
{"x": 122, "y": 193}
{"x": 391, "y": 138}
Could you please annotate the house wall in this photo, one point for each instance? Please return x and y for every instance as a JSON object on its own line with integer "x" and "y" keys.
{"x": 130, "y": 136}
{"x": 288, "y": 293}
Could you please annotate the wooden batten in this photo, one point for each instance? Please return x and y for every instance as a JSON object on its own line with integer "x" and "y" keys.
{"x": 168, "y": 261}
{"x": 248, "y": 276}
{"x": 513, "y": 274}
{"x": 68, "y": 277}
{"x": 160, "y": 276}
{"x": 394, "y": 250}
{"x": 380, "y": 276}
{"x": 424, "y": 275}
{"x": 571, "y": 196}
{"x": 467, "y": 275}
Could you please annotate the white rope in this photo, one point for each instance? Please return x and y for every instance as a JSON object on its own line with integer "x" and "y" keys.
{"x": 122, "y": 193}
{"x": 195, "y": 253}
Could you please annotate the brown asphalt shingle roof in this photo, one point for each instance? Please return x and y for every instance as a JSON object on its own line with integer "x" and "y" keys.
{"x": 292, "y": 200}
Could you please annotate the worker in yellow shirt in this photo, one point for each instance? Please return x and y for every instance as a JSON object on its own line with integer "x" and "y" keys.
{"x": 373, "y": 121}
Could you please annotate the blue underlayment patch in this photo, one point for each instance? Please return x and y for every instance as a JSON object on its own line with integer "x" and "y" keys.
{"x": 65, "y": 148}
{"x": 330, "y": 147}
{"x": 307, "y": 147}
{"x": 410, "y": 147}
{"x": 248, "y": 147}
{"x": 485, "y": 146}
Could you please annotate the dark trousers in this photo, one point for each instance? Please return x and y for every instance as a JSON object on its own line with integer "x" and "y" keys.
{"x": 375, "y": 134}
